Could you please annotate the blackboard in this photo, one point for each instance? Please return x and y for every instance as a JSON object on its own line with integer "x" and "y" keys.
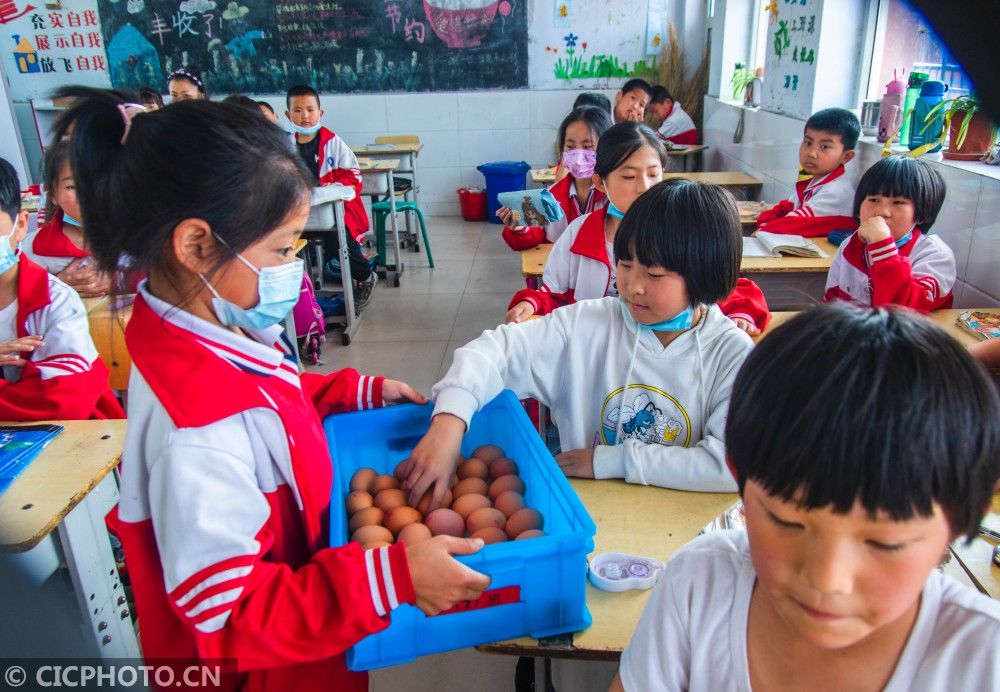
{"x": 261, "y": 47}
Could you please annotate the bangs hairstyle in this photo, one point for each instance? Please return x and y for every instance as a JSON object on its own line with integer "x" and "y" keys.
{"x": 596, "y": 120}
{"x": 621, "y": 141}
{"x": 194, "y": 159}
{"x": 636, "y": 83}
{"x": 689, "y": 228}
{"x": 838, "y": 121}
{"x": 10, "y": 190}
{"x": 57, "y": 155}
{"x": 300, "y": 90}
{"x": 904, "y": 176}
{"x": 148, "y": 95}
{"x": 881, "y": 407}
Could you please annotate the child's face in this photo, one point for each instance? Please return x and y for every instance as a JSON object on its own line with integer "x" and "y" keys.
{"x": 64, "y": 194}
{"x": 822, "y": 151}
{"x": 579, "y": 136}
{"x": 899, "y": 213}
{"x": 652, "y": 294}
{"x": 639, "y": 172}
{"x": 269, "y": 114}
{"x": 183, "y": 90}
{"x": 835, "y": 579}
{"x": 16, "y": 228}
{"x": 630, "y": 106}
{"x": 661, "y": 110}
{"x": 304, "y": 111}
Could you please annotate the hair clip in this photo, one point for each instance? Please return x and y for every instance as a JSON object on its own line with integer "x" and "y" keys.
{"x": 186, "y": 75}
{"x": 128, "y": 111}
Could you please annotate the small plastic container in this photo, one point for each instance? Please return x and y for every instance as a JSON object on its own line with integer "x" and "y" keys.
{"x": 538, "y": 585}
{"x": 502, "y": 176}
{"x": 472, "y": 202}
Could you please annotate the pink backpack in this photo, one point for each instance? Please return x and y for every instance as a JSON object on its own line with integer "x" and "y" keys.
{"x": 310, "y": 326}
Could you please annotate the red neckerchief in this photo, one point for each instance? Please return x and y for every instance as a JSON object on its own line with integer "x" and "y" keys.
{"x": 50, "y": 241}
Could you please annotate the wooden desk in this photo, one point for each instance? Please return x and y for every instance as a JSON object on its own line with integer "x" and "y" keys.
{"x": 533, "y": 261}
{"x": 107, "y": 329}
{"x": 743, "y": 186}
{"x": 406, "y": 154}
{"x": 788, "y": 264}
{"x": 791, "y": 283}
{"x": 69, "y": 489}
{"x": 977, "y": 558}
{"x": 636, "y": 519}
{"x": 543, "y": 176}
{"x": 686, "y": 153}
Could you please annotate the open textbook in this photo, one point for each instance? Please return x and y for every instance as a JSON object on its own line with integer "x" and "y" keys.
{"x": 983, "y": 324}
{"x": 764, "y": 244}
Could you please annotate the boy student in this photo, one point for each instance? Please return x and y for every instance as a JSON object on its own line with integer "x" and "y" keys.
{"x": 864, "y": 442}
{"x": 49, "y": 368}
{"x": 677, "y": 125}
{"x": 329, "y": 158}
{"x": 631, "y": 100}
{"x": 823, "y": 202}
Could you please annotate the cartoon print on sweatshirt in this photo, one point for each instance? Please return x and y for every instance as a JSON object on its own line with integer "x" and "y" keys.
{"x": 653, "y": 416}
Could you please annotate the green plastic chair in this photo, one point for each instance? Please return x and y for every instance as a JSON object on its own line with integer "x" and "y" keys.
{"x": 381, "y": 211}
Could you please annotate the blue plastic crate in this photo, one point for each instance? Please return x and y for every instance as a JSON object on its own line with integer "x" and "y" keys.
{"x": 550, "y": 572}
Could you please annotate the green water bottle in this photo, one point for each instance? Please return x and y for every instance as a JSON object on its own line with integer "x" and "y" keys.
{"x": 912, "y": 92}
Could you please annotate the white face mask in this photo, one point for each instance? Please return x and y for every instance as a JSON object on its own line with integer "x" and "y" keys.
{"x": 278, "y": 289}
{"x": 8, "y": 256}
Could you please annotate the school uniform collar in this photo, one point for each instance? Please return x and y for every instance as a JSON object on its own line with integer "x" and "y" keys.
{"x": 32, "y": 291}
{"x": 808, "y": 187}
{"x": 590, "y": 241}
{"x": 50, "y": 241}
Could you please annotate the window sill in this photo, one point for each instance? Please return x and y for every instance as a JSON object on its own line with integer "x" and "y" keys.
{"x": 976, "y": 167}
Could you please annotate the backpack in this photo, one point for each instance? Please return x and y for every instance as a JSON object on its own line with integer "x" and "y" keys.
{"x": 310, "y": 327}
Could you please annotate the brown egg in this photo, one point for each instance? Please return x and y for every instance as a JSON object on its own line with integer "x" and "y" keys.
{"x": 490, "y": 534}
{"x": 445, "y": 522}
{"x": 530, "y": 533}
{"x": 473, "y": 468}
{"x": 413, "y": 534}
{"x": 425, "y": 502}
{"x": 509, "y": 502}
{"x": 488, "y": 453}
{"x": 363, "y": 479}
{"x": 467, "y": 504}
{"x": 523, "y": 520}
{"x": 470, "y": 486}
{"x": 375, "y": 544}
{"x": 358, "y": 500}
{"x": 401, "y": 517}
{"x": 389, "y": 499}
{"x": 384, "y": 482}
{"x": 505, "y": 483}
{"x": 485, "y": 517}
{"x": 372, "y": 534}
{"x": 397, "y": 473}
{"x": 502, "y": 467}
{"x": 366, "y": 517}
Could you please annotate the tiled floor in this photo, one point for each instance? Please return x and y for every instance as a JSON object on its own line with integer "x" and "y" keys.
{"x": 409, "y": 333}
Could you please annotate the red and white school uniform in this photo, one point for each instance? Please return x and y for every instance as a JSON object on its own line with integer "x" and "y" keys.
{"x": 817, "y": 207}
{"x": 338, "y": 164}
{"x": 64, "y": 379}
{"x": 52, "y": 248}
{"x": 564, "y": 191}
{"x": 919, "y": 275}
{"x": 678, "y": 126}
{"x": 225, "y": 503}
{"x": 580, "y": 267}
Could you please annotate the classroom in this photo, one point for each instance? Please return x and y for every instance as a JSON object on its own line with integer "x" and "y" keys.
{"x": 490, "y": 345}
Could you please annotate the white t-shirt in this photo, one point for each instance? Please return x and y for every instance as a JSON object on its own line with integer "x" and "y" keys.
{"x": 8, "y": 332}
{"x": 692, "y": 633}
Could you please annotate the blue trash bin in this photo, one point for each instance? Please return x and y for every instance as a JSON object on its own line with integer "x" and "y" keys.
{"x": 502, "y": 176}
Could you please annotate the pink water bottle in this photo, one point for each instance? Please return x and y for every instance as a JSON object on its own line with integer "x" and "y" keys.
{"x": 891, "y": 113}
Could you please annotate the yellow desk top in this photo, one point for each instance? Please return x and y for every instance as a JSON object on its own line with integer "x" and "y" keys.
{"x": 54, "y": 483}
{"x": 686, "y": 149}
{"x": 723, "y": 178}
{"x": 977, "y": 557}
{"x": 801, "y": 265}
{"x": 107, "y": 329}
{"x": 533, "y": 260}
{"x": 386, "y": 149}
{"x": 543, "y": 176}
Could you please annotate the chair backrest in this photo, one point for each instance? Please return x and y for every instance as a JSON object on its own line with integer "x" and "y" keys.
{"x": 397, "y": 139}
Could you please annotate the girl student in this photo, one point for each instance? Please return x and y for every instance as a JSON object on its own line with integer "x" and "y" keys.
{"x": 630, "y": 160}
{"x": 225, "y": 499}
{"x": 575, "y": 192}
{"x": 186, "y": 84}
{"x": 640, "y": 383}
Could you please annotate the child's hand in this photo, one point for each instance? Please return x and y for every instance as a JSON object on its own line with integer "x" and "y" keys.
{"x": 873, "y": 230}
{"x": 578, "y": 463}
{"x": 506, "y": 214}
{"x": 520, "y": 312}
{"x": 747, "y": 326}
{"x": 439, "y": 580}
{"x": 435, "y": 458}
{"x": 396, "y": 392}
{"x": 82, "y": 277}
{"x": 10, "y": 351}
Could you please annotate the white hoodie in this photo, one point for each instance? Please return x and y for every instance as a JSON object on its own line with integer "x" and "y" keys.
{"x": 580, "y": 358}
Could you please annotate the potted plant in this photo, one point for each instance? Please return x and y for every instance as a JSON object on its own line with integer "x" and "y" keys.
{"x": 742, "y": 80}
{"x": 970, "y": 132}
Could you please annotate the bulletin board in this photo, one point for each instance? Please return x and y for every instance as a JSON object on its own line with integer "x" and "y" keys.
{"x": 792, "y": 50}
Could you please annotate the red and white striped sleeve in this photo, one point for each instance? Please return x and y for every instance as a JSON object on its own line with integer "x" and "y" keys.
{"x": 343, "y": 390}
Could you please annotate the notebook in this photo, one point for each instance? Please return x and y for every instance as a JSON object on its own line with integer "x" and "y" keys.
{"x": 982, "y": 324}
{"x": 19, "y": 445}
{"x": 764, "y": 244}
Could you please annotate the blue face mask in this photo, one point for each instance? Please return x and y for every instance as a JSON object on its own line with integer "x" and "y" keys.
{"x": 682, "y": 320}
{"x": 8, "y": 256}
{"x": 305, "y": 131}
{"x": 278, "y": 287}
{"x": 613, "y": 211}
{"x": 72, "y": 221}
{"x": 905, "y": 239}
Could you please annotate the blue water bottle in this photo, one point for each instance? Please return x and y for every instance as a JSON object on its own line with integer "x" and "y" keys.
{"x": 921, "y": 132}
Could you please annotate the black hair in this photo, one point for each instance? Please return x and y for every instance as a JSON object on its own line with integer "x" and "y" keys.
{"x": 904, "y": 176}
{"x": 597, "y": 121}
{"x": 659, "y": 94}
{"x": 636, "y": 83}
{"x": 146, "y": 95}
{"x": 621, "y": 141}
{"x": 844, "y": 404}
{"x": 235, "y": 171}
{"x": 838, "y": 121}
{"x": 57, "y": 155}
{"x": 268, "y": 106}
{"x": 192, "y": 74}
{"x": 242, "y": 101}
{"x": 300, "y": 90}
{"x": 686, "y": 227}
{"x": 592, "y": 98}
{"x": 10, "y": 190}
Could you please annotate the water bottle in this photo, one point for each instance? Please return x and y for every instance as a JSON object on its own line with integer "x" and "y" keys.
{"x": 891, "y": 113}
{"x": 757, "y": 87}
{"x": 916, "y": 81}
{"x": 921, "y": 132}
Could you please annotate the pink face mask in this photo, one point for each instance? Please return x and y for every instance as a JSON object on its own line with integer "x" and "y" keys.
{"x": 580, "y": 162}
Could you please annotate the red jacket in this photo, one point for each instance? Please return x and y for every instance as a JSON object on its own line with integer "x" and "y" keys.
{"x": 338, "y": 164}
{"x": 527, "y": 237}
{"x": 64, "y": 379}
{"x": 818, "y": 207}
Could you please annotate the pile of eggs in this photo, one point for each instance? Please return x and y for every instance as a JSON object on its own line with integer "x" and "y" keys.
{"x": 486, "y": 500}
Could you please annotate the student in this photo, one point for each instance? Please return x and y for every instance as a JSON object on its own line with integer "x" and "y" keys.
{"x": 821, "y": 203}
{"x": 595, "y": 99}
{"x": 149, "y": 98}
{"x": 630, "y": 160}
{"x": 186, "y": 84}
{"x": 663, "y": 342}
{"x": 864, "y": 443}
{"x": 49, "y": 367}
{"x": 268, "y": 111}
{"x": 676, "y": 124}
{"x": 225, "y": 499}
{"x": 891, "y": 258}
{"x": 576, "y": 194}
{"x": 631, "y": 100}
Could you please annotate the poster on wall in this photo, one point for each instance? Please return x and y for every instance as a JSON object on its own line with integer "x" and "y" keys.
{"x": 790, "y": 63}
{"x": 656, "y": 26}
{"x": 49, "y": 44}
